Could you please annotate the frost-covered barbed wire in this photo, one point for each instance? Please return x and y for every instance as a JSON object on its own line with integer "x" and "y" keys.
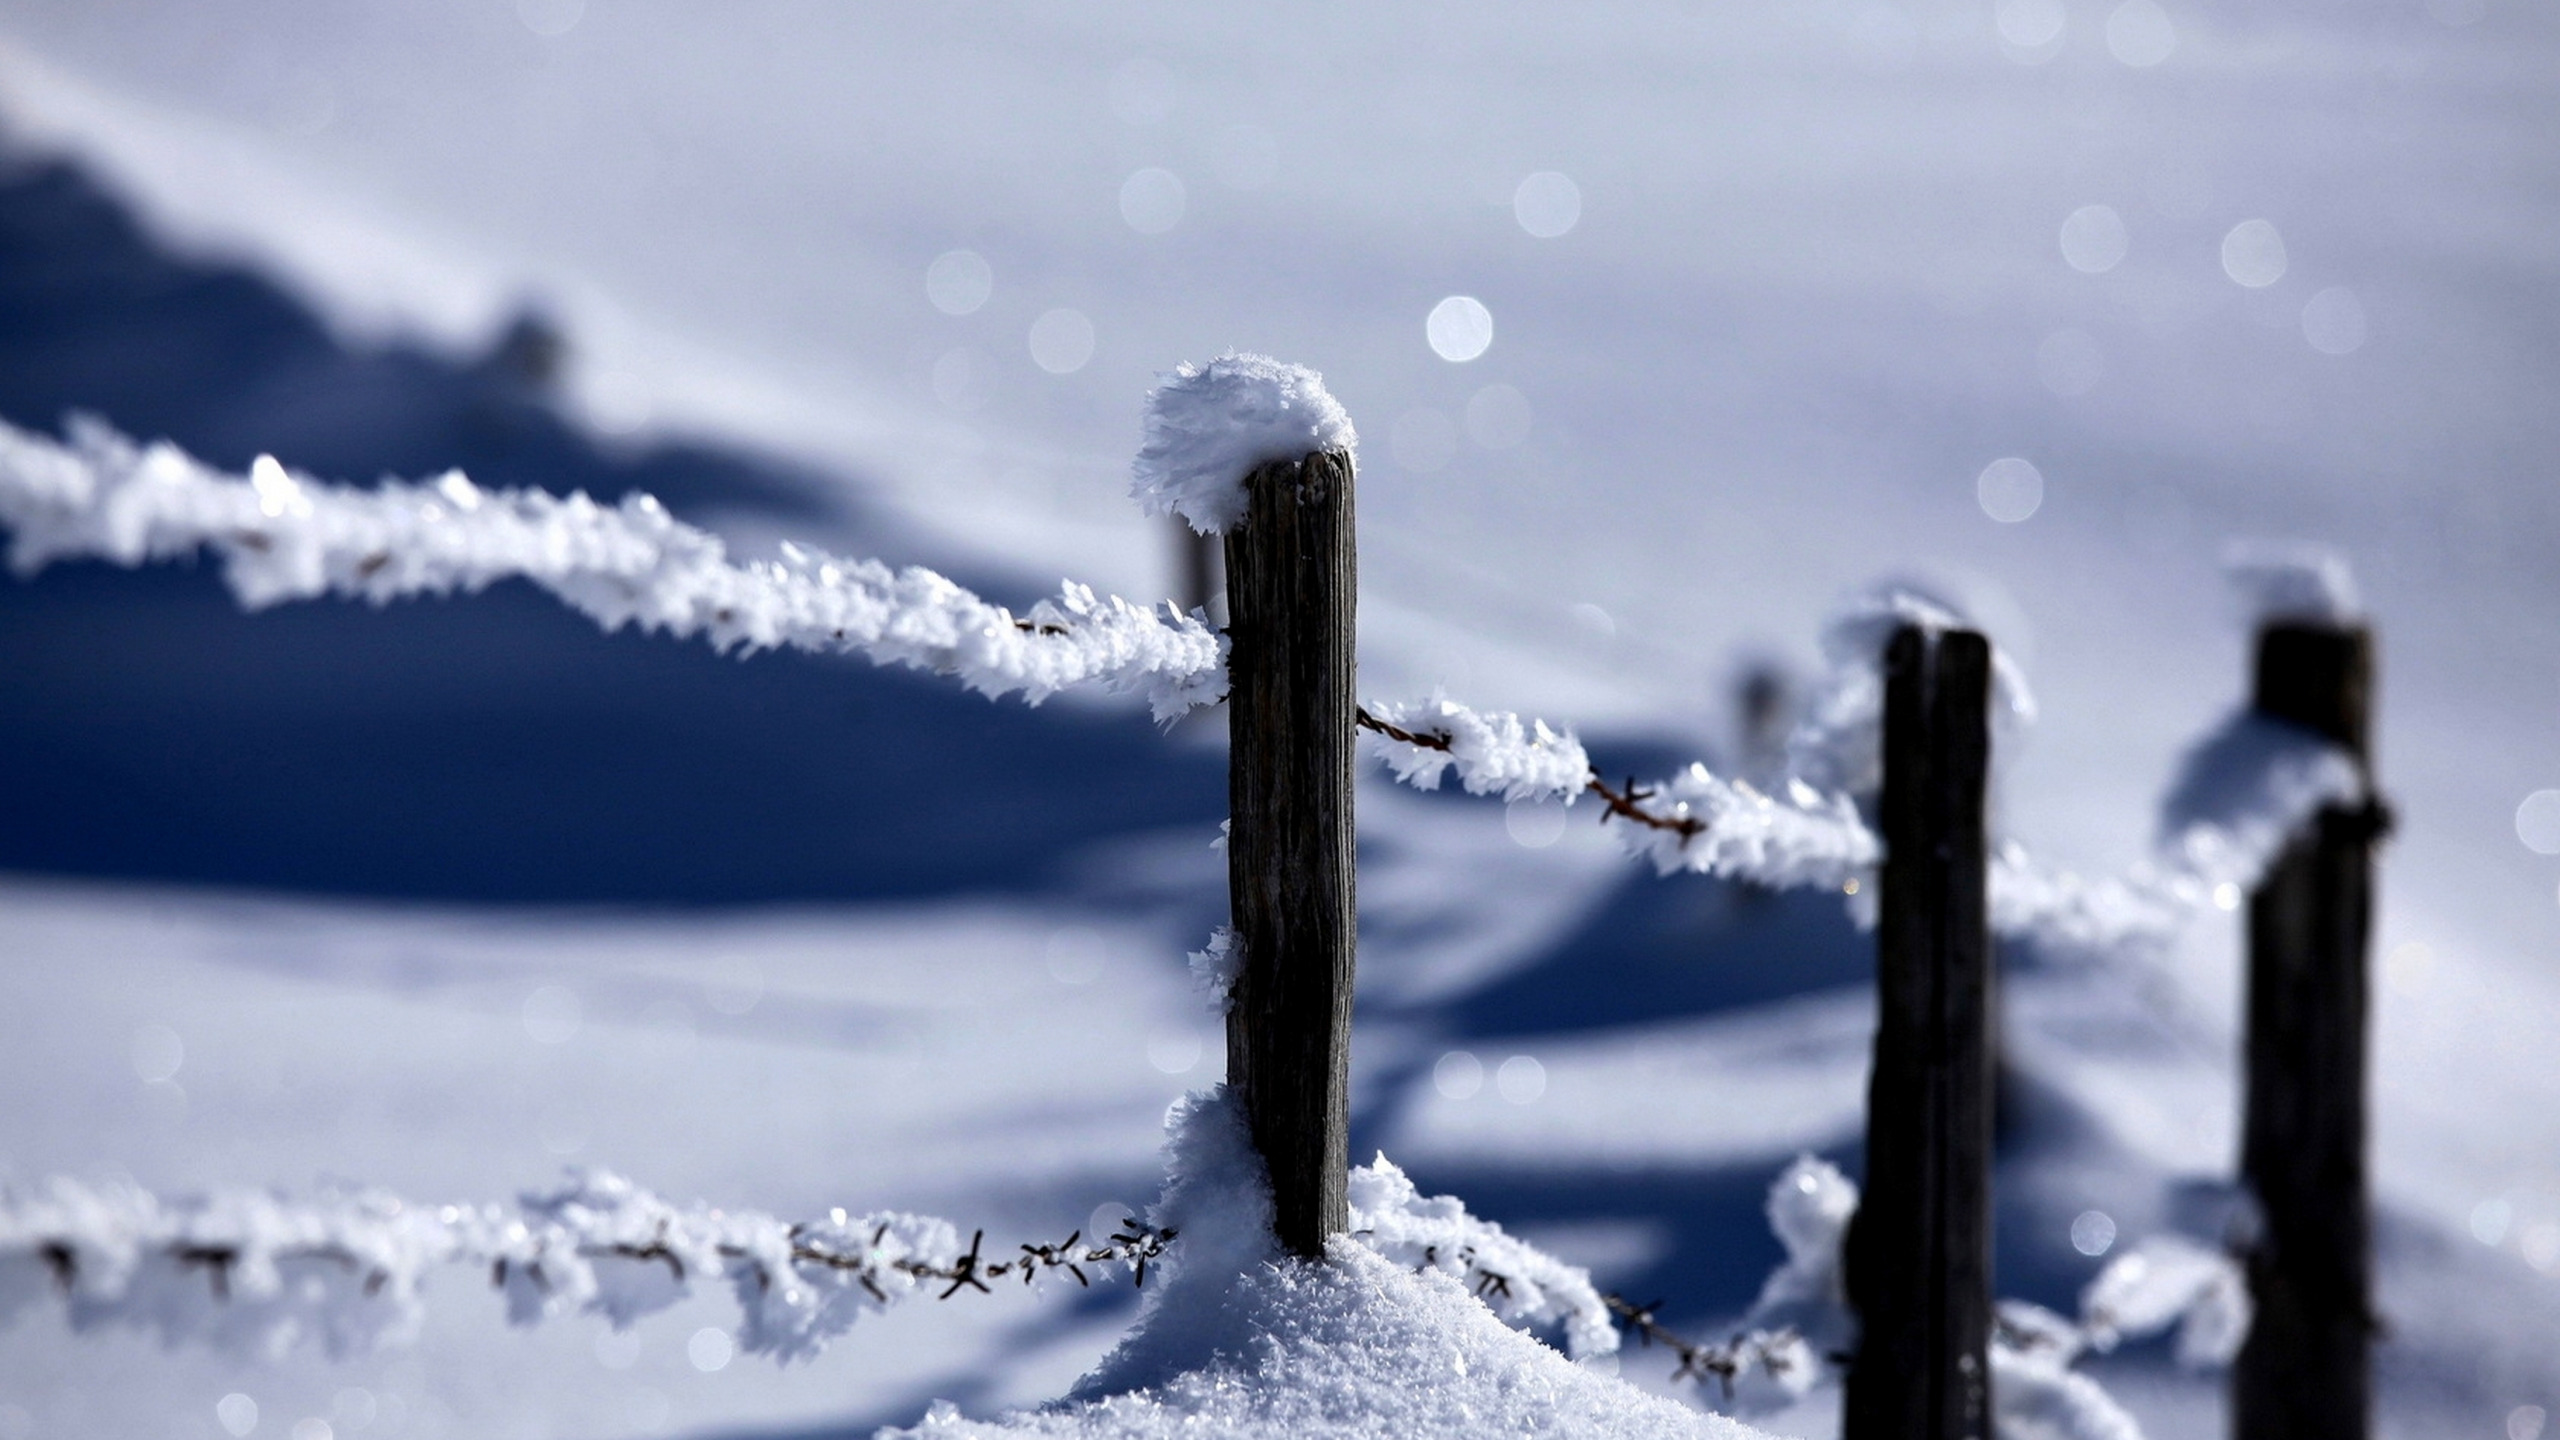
{"x": 1492, "y": 752}
{"x": 2162, "y": 1282}
{"x": 2241, "y": 794}
{"x": 2156, "y": 1284}
{"x": 256, "y": 1272}
{"x": 1779, "y": 1360}
{"x": 1523, "y": 1284}
{"x": 1696, "y": 820}
{"x": 282, "y": 536}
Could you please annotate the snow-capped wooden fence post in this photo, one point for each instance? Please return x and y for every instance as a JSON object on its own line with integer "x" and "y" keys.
{"x": 1292, "y": 583}
{"x": 1918, "y": 1262}
{"x": 2303, "y": 1371}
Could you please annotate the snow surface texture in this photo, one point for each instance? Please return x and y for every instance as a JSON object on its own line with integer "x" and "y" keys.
{"x": 1387, "y": 1339}
{"x": 1360, "y": 1347}
{"x": 254, "y": 1273}
{"x": 284, "y": 537}
{"x": 2154, "y": 1285}
{"x": 1209, "y": 426}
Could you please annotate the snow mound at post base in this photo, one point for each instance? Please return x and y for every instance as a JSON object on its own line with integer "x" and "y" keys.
{"x": 1364, "y": 1347}
{"x": 1237, "y": 1340}
{"x": 1209, "y": 426}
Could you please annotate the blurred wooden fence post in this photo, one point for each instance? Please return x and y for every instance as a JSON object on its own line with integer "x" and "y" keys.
{"x": 2303, "y": 1373}
{"x": 1292, "y": 584}
{"x": 1918, "y": 1261}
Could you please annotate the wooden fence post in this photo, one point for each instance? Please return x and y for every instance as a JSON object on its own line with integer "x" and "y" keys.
{"x": 1292, "y": 584}
{"x": 1918, "y": 1261}
{"x": 2303, "y": 1373}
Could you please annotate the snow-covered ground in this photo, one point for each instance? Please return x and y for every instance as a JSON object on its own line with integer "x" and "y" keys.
{"x": 1819, "y": 267}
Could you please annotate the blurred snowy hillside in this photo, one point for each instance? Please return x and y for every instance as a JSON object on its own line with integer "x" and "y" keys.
{"x": 2046, "y": 300}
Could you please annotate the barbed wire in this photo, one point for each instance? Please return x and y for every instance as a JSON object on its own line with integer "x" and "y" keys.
{"x": 1134, "y": 1244}
{"x": 1625, "y": 803}
{"x": 1778, "y": 1352}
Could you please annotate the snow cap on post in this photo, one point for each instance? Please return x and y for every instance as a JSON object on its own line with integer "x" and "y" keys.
{"x": 2296, "y": 581}
{"x": 1209, "y": 426}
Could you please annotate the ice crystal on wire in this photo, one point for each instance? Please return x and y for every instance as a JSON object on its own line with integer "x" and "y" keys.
{"x": 282, "y": 537}
{"x": 1492, "y": 752}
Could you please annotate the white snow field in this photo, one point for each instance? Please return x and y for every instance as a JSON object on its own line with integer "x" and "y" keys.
{"x": 2043, "y": 301}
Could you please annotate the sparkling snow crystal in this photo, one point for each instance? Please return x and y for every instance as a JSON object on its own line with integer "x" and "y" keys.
{"x": 1209, "y": 426}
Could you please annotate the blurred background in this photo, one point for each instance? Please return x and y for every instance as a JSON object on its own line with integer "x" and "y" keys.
{"x": 1665, "y": 327}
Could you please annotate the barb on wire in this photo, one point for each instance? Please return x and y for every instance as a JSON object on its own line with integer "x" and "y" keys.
{"x": 259, "y": 1272}
{"x": 1781, "y": 1353}
{"x": 1136, "y": 1243}
{"x": 1626, "y": 804}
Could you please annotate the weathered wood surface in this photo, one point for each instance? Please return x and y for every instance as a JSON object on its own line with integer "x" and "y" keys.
{"x": 1292, "y": 587}
{"x": 1918, "y": 1255}
{"x": 2304, "y": 1373}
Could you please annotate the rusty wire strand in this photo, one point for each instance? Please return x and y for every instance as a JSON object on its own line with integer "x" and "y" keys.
{"x": 1626, "y": 804}
{"x": 1699, "y": 1361}
{"x": 1134, "y": 1244}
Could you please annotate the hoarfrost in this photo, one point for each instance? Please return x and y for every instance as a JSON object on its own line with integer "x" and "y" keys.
{"x": 1801, "y": 837}
{"x": 2245, "y": 790}
{"x": 285, "y": 537}
{"x": 1719, "y": 826}
{"x": 2170, "y": 1280}
{"x": 1435, "y": 1232}
{"x": 1839, "y": 743}
{"x": 2036, "y": 1396}
{"x": 254, "y": 1273}
{"x": 1809, "y": 1207}
{"x": 1493, "y": 752}
{"x": 1387, "y": 1339}
{"x": 2241, "y": 795}
{"x": 1215, "y": 966}
{"x": 1209, "y": 426}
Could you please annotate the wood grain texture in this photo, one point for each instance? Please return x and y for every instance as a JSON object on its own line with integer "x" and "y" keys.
{"x": 1292, "y": 588}
{"x": 2304, "y": 1373}
{"x": 1918, "y": 1255}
